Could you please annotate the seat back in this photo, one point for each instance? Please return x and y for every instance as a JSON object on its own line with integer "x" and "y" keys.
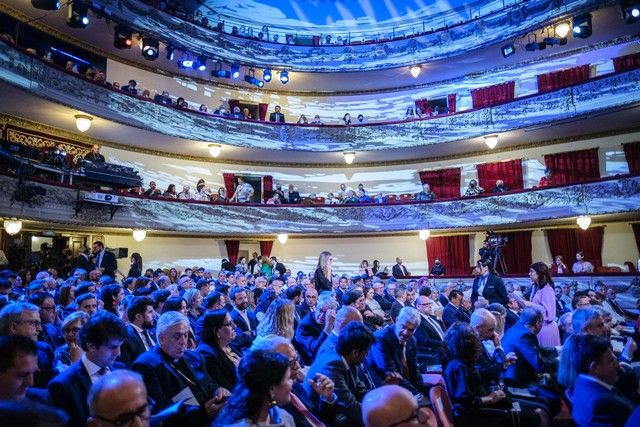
{"x": 441, "y": 406}
{"x": 405, "y": 197}
{"x": 392, "y": 198}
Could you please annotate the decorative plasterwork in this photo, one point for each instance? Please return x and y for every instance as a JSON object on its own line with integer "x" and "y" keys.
{"x": 613, "y": 196}
{"x": 503, "y": 25}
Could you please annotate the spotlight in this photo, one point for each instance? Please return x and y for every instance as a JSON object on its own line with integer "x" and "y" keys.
{"x": 221, "y": 73}
{"x": 150, "y": 48}
{"x": 235, "y": 71}
{"x": 139, "y": 235}
{"x": 251, "y": 78}
{"x": 12, "y": 226}
{"x": 424, "y": 234}
{"x": 282, "y": 238}
{"x": 46, "y": 4}
{"x": 582, "y": 26}
{"x": 122, "y": 38}
{"x": 415, "y": 70}
{"x": 562, "y": 30}
{"x": 630, "y": 10}
{"x": 78, "y": 16}
{"x": 533, "y": 46}
{"x": 583, "y": 221}
{"x": 185, "y": 63}
{"x": 266, "y": 75}
{"x": 284, "y": 77}
{"x": 170, "y": 53}
{"x": 508, "y": 50}
{"x": 200, "y": 63}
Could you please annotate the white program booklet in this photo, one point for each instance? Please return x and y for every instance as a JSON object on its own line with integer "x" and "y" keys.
{"x": 187, "y": 396}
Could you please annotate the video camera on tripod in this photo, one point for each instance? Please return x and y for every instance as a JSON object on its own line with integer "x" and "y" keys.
{"x": 491, "y": 250}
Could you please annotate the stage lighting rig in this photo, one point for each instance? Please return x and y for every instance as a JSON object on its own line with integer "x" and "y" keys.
{"x": 532, "y": 46}
{"x": 266, "y": 75}
{"x": 46, "y": 4}
{"x": 284, "y": 77}
{"x": 251, "y": 78}
{"x": 630, "y": 10}
{"x": 78, "y": 15}
{"x": 122, "y": 37}
{"x": 582, "y": 27}
{"x": 235, "y": 71}
{"x": 150, "y": 48}
{"x": 219, "y": 72}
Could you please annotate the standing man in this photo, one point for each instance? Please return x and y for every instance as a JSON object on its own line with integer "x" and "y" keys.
{"x": 105, "y": 260}
{"x": 94, "y": 155}
{"x": 276, "y": 116}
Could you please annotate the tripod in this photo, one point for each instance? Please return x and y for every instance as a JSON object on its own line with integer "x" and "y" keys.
{"x": 498, "y": 258}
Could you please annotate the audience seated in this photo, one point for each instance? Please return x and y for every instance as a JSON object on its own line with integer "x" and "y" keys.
{"x": 119, "y": 398}
{"x": 429, "y": 335}
{"x": 392, "y": 405}
{"x": 315, "y": 327}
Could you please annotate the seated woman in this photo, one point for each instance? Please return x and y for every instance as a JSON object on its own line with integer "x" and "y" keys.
{"x": 70, "y": 352}
{"x": 303, "y": 120}
{"x": 194, "y": 303}
{"x": 278, "y": 320}
{"x": 473, "y": 405}
{"x": 473, "y": 189}
{"x": 221, "y": 360}
{"x": 351, "y": 197}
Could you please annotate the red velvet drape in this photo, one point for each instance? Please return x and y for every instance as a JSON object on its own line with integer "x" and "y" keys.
{"x": 265, "y": 247}
{"x": 627, "y": 62}
{"x": 517, "y": 252}
{"x": 562, "y": 78}
{"x": 262, "y": 111}
{"x": 267, "y": 186}
{"x": 233, "y": 246}
{"x": 510, "y": 172}
{"x": 453, "y": 252}
{"x": 492, "y": 95}
{"x": 451, "y": 103}
{"x": 632, "y": 154}
{"x": 568, "y": 241}
{"x": 573, "y": 166}
{"x": 444, "y": 182}
{"x": 423, "y": 104}
{"x": 636, "y": 233}
{"x": 233, "y": 103}
{"x": 229, "y": 183}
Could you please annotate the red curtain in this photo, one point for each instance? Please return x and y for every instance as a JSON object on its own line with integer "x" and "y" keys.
{"x": 262, "y": 111}
{"x": 627, "y": 62}
{"x": 492, "y": 95}
{"x": 632, "y": 154}
{"x": 267, "y": 186}
{"x": 444, "y": 182}
{"x": 510, "y": 172}
{"x": 453, "y": 252}
{"x": 574, "y": 166}
{"x": 233, "y": 103}
{"x": 636, "y": 233}
{"x": 568, "y": 241}
{"x": 423, "y": 104}
{"x": 563, "y": 78}
{"x": 229, "y": 183}
{"x": 451, "y": 102}
{"x": 517, "y": 252}
{"x": 265, "y": 247}
{"x": 233, "y": 246}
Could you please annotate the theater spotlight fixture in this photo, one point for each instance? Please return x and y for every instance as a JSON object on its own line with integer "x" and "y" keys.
{"x": 630, "y": 10}
{"x": 12, "y": 226}
{"x": 122, "y": 38}
{"x": 83, "y": 122}
{"x": 78, "y": 15}
{"x": 562, "y": 30}
{"x": 582, "y": 26}
{"x": 220, "y": 73}
{"x": 150, "y": 47}
{"x": 532, "y": 46}
{"x": 508, "y": 50}
{"x": 284, "y": 77}
{"x": 139, "y": 235}
{"x": 555, "y": 40}
{"x": 250, "y": 77}
{"x": 235, "y": 71}
{"x": 349, "y": 156}
{"x": 214, "y": 150}
{"x": 46, "y": 4}
{"x": 266, "y": 75}
{"x": 200, "y": 63}
{"x": 185, "y": 63}
{"x": 583, "y": 221}
{"x": 491, "y": 141}
{"x": 170, "y": 51}
{"x": 415, "y": 70}
{"x": 424, "y": 234}
{"x": 282, "y": 238}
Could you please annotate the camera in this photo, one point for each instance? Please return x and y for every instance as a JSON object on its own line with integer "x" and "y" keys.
{"x": 496, "y": 240}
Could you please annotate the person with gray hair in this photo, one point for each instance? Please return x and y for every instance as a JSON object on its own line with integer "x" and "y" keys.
{"x": 119, "y": 398}
{"x": 395, "y": 352}
{"x": 315, "y": 327}
{"x": 588, "y": 320}
{"x": 171, "y": 372}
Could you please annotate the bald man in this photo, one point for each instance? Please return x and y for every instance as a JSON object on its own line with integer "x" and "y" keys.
{"x": 344, "y": 316}
{"x": 393, "y": 405}
{"x": 119, "y": 397}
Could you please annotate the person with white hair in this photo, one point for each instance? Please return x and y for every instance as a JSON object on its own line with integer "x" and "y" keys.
{"x": 315, "y": 327}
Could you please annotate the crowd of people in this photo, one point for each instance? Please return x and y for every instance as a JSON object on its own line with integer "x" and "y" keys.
{"x": 254, "y": 344}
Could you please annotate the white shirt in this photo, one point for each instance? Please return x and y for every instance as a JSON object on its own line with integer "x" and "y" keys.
{"x": 481, "y": 285}
{"x": 92, "y": 369}
{"x": 245, "y": 316}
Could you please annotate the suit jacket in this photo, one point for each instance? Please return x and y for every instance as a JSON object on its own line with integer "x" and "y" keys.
{"x": 69, "y": 392}
{"x": 385, "y": 305}
{"x": 51, "y": 335}
{"x": 399, "y": 270}
{"x": 38, "y": 395}
{"x": 132, "y": 347}
{"x": 243, "y": 338}
{"x": 276, "y": 117}
{"x": 303, "y": 309}
{"x": 430, "y": 346}
{"x": 511, "y": 320}
{"x": 532, "y": 359}
{"x": 328, "y": 346}
{"x": 494, "y": 290}
{"x": 109, "y": 263}
{"x": 452, "y": 314}
{"x": 309, "y": 337}
{"x": 396, "y": 306}
{"x": 326, "y": 412}
{"x": 386, "y": 356}
{"x": 281, "y": 268}
{"x": 163, "y": 382}
{"x": 46, "y": 370}
{"x": 219, "y": 367}
{"x": 348, "y": 388}
{"x": 598, "y": 406}
{"x": 83, "y": 262}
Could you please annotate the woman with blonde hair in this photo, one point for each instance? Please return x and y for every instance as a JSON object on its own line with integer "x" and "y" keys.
{"x": 278, "y": 320}
{"x": 323, "y": 274}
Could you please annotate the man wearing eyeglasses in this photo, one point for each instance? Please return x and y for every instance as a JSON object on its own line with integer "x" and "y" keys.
{"x": 394, "y": 406}
{"x": 119, "y": 399}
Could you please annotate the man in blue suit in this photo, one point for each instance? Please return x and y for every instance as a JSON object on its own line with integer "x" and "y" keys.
{"x": 452, "y": 312}
{"x": 245, "y": 320}
{"x": 597, "y": 402}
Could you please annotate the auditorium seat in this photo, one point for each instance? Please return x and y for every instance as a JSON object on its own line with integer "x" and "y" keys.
{"x": 606, "y": 269}
{"x": 405, "y": 197}
{"x": 392, "y": 198}
{"x": 319, "y": 200}
{"x": 442, "y": 406}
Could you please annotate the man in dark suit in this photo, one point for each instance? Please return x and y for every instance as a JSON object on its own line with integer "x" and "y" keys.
{"x": 399, "y": 302}
{"x": 245, "y": 320}
{"x": 276, "y": 116}
{"x": 172, "y": 373}
{"x": 105, "y": 260}
{"x": 489, "y": 286}
{"x": 315, "y": 327}
{"x": 50, "y": 332}
{"x": 94, "y": 155}
{"x": 309, "y": 303}
{"x": 513, "y": 313}
{"x": 378, "y": 295}
{"x": 100, "y": 338}
{"x": 278, "y": 266}
{"x": 139, "y": 337}
{"x": 597, "y": 401}
{"x": 18, "y": 364}
{"x": 394, "y": 352}
{"x": 83, "y": 260}
{"x": 429, "y": 334}
{"x": 399, "y": 270}
{"x": 341, "y": 366}
{"x": 452, "y": 312}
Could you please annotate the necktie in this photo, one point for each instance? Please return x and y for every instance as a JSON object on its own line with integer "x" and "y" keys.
{"x": 147, "y": 339}
{"x": 312, "y": 419}
{"x": 103, "y": 371}
{"x": 405, "y": 365}
{"x": 436, "y": 327}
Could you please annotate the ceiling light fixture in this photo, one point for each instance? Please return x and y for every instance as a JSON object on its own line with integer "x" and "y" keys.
{"x": 630, "y": 10}
{"x": 415, "y": 70}
{"x": 349, "y": 156}
{"x": 284, "y": 77}
{"x": 170, "y": 51}
{"x": 583, "y": 221}
{"x": 562, "y": 29}
{"x": 83, "y": 122}
{"x": 78, "y": 15}
{"x": 491, "y": 141}
{"x": 508, "y": 50}
{"x": 200, "y": 63}
{"x": 139, "y": 235}
{"x": 12, "y": 226}
{"x": 235, "y": 71}
{"x": 424, "y": 234}
{"x": 266, "y": 75}
{"x": 533, "y": 46}
{"x": 282, "y": 238}
{"x": 214, "y": 150}
{"x": 150, "y": 48}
